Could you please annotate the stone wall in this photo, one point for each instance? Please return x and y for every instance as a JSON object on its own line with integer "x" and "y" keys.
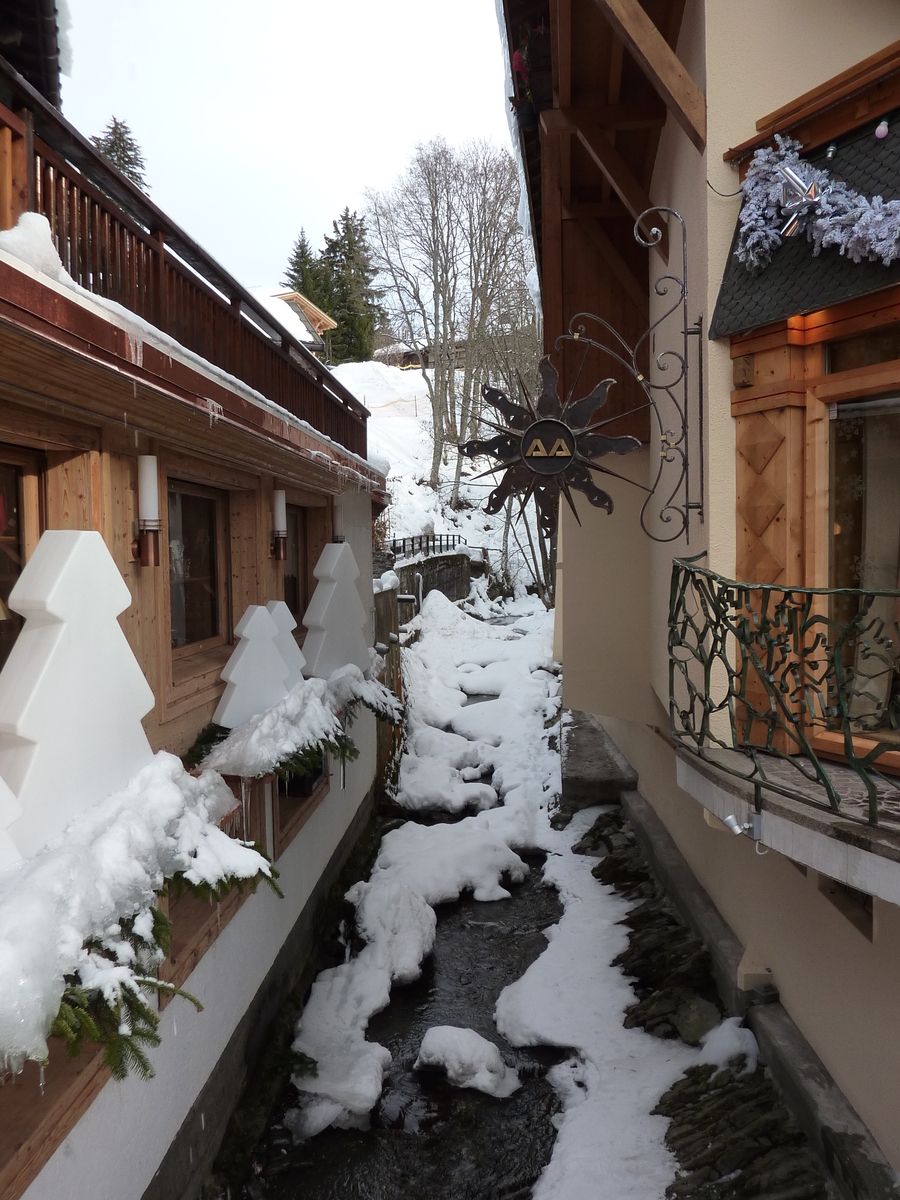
{"x": 447, "y": 573}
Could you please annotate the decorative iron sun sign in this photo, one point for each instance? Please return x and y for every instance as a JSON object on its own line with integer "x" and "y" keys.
{"x": 548, "y": 448}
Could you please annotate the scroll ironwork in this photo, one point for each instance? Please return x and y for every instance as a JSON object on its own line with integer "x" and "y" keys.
{"x": 769, "y": 683}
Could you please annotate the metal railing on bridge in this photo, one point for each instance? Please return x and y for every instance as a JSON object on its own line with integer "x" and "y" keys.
{"x": 430, "y": 543}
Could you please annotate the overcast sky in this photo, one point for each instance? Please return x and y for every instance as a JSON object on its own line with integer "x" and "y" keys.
{"x": 258, "y": 119}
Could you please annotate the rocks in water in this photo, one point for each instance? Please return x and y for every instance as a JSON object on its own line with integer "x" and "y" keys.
{"x": 730, "y": 1132}
{"x": 734, "y": 1139}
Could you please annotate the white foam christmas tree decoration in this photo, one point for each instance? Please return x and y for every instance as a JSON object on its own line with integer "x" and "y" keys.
{"x": 72, "y": 694}
{"x": 335, "y": 617}
{"x": 255, "y": 673}
{"x": 286, "y": 644}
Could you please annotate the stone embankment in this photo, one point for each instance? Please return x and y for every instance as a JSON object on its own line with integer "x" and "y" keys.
{"x": 730, "y": 1132}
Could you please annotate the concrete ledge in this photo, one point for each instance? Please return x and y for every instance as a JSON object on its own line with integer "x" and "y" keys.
{"x": 594, "y": 769}
{"x": 191, "y": 1155}
{"x": 864, "y": 857}
{"x": 833, "y": 1127}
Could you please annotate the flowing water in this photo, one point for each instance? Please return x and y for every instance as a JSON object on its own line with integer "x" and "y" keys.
{"x": 429, "y": 1140}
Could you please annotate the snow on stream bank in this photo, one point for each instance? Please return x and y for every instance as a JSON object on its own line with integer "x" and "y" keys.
{"x": 494, "y": 757}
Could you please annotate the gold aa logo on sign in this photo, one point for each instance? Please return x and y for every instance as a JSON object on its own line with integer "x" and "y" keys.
{"x": 558, "y": 450}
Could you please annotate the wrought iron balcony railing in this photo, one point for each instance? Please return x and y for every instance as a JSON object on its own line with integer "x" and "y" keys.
{"x": 794, "y": 690}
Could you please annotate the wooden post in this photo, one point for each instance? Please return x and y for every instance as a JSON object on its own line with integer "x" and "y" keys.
{"x": 6, "y": 178}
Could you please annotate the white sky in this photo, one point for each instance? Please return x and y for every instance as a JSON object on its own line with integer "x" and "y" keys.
{"x": 257, "y": 119}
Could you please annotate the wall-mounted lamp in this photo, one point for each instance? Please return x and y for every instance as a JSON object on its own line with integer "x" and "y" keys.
{"x": 882, "y": 129}
{"x": 146, "y": 545}
{"x": 279, "y": 531}
{"x": 753, "y": 827}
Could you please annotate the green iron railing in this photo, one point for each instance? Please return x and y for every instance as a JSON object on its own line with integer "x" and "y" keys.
{"x": 759, "y": 672}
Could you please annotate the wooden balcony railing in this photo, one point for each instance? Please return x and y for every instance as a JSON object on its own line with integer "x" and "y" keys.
{"x": 116, "y": 243}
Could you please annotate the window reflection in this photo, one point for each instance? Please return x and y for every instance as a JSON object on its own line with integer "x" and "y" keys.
{"x": 193, "y": 570}
{"x": 295, "y": 567}
{"x": 865, "y": 546}
{"x": 11, "y": 555}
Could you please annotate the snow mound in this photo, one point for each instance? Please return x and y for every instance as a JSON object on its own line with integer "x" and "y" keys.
{"x": 470, "y": 1060}
{"x": 441, "y": 861}
{"x": 398, "y": 927}
{"x": 32, "y": 241}
{"x": 109, "y": 865}
{"x": 307, "y": 716}
{"x": 728, "y": 1040}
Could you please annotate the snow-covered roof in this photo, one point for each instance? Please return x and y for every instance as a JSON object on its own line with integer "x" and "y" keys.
{"x": 288, "y": 317}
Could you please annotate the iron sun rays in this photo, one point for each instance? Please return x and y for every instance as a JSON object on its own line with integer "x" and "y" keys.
{"x": 548, "y": 448}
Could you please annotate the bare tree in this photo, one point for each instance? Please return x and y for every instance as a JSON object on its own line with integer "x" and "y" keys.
{"x": 417, "y": 247}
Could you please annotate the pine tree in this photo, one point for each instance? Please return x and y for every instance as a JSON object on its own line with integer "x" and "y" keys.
{"x": 118, "y": 143}
{"x": 355, "y": 304}
{"x": 309, "y": 274}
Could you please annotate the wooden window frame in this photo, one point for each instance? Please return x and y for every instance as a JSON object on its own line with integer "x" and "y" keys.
{"x": 282, "y": 837}
{"x": 31, "y": 491}
{"x": 182, "y": 487}
{"x": 787, "y": 369}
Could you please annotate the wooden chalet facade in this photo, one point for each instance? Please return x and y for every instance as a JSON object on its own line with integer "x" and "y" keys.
{"x": 151, "y": 351}
{"x": 643, "y": 103}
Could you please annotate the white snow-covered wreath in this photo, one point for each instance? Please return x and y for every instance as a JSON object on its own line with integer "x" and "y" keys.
{"x": 780, "y": 184}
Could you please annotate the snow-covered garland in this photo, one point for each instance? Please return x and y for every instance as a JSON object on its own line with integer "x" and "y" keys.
{"x": 860, "y": 228}
{"x": 81, "y": 937}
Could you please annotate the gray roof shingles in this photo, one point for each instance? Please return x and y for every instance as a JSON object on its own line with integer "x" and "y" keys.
{"x": 795, "y": 281}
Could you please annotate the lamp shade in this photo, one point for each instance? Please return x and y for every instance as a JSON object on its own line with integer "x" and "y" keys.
{"x": 148, "y": 492}
{"x": 280, "y": 512}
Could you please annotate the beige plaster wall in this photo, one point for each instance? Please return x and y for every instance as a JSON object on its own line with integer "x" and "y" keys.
{"x": 840, "y": 988}
{"x": 746, "y": 57}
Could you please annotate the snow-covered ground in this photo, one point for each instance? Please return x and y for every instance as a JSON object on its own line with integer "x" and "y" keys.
{"x": 609, "y": 1146}
{"x": 399, "y": 431}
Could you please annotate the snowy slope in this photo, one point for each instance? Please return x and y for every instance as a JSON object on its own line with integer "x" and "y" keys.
{"x": 400, "y": 432}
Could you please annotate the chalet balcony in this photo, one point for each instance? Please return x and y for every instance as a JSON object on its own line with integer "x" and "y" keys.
{"x": 785, "y": 714}
{"x": 117, "y": 244}
{"x": 793, "y": 691}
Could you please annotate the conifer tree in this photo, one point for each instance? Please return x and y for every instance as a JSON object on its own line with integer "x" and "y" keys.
{"x": 355, "y": 304}
{"x": 308, "y": 274}
{"x": 118, "y": 143}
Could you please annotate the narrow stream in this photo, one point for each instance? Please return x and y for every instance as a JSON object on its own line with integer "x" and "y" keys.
{"x": 429, "y": 1140}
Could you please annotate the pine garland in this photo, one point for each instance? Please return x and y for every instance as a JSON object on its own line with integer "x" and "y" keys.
{"x": 115, "y": 1013}
{"x": 861, "y": 229}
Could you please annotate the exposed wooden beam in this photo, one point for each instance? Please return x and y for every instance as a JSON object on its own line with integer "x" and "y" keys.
{"x": 648, "y": 114}
{"x": 660, "y": 64}
{"x": 614, "y": 86}
{"x": 636, "y": 293}
{"x": 577, "y": 210}
{"x": 564, "y": 51}
{"x": 612, "y": 166}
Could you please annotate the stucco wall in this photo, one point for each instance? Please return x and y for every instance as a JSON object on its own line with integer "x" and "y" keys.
{"x": 839, "y": 987}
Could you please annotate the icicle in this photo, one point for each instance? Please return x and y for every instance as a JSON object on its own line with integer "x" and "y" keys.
{"x": 244, "y": 807}
{"x": 41, "y": 1079}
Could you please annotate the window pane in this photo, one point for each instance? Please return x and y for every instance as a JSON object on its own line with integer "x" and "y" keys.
{"x": 295, "y": 589}
{"x": 865, "y": 548}
{"x": 193, "y": 570}
{"x": 11, "y": 556}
